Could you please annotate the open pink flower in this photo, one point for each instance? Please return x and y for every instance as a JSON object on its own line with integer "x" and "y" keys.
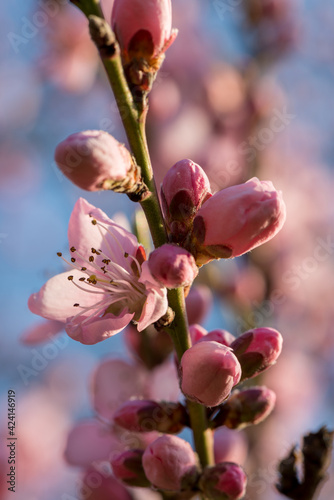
{"x": 110, "y": 283}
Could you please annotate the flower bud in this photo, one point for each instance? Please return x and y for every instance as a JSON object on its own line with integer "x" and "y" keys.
{"x": 184, "y": 189}
{"x": 197, "y": 332}
{"x": 147, "y": 416}
{"x": 198, "y": 303}
{"x": 94, "y": 160}
{"x": 251, "y": 214}
{"x": 224, "y": 481}
{"x": 170, "y": 464}
{"x": 250, "y": 406}
{"x": 172, "y": 266}
{"x": 229, "y": 446}
{"x": 98, "y": 483}
{"x": 221, "y": 336}
{"x": 144, "y": 32}
{"x": 257, "y": 350}
{"x": 128, "y": 467}
{"x": 209, "y": 370}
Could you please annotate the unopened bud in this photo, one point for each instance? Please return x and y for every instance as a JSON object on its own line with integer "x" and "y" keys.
{"x": 94, "y": 160}
{"x": 144, "y": 32}
{"x": 128, "y": 468}
{"x": 184, "y": 189}
{"x": 224, "y": 481}
{"x": 247, "y": 407}
{"x": 209, "y": 371}
{"x": 170, "y": 464}
{"x": 172, "y": 266}
{"x": 198, "y": 303}
{"x": 197, "y": 332}
{"x": 250, "y": 214}
{"x": 257, "y": 350}
{"x": 219, "y": 335}
{"x": 147, "y": 416}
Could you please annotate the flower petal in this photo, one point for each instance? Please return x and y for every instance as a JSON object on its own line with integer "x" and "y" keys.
{"x": 128, "y": 381}
{"x": 41, "y": 332}
{"x": 98, "y": 329}
{"x": 155, "y": 306}
{"x": 112, "y": 239}
{"x": 56, "y": 298}
{"x": 89, "y": 441}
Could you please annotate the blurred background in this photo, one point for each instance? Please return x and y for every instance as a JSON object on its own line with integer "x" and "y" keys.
{"x": 246, "y": 89}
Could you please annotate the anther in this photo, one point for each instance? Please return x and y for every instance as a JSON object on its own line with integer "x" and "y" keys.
{"x": 94, "y": 222}
{"x": 70, "y": 278}
{"x": 59, "y": 254}
{"x": 126, "y": 255}
{"x": 84, "y": 269}
{"x": 76, "y": 305}
{"x": 82, "y": 279}
{"x": 72, "y": 259}
{"x": 73, "y": 249}
{"x": 91, "y": 258}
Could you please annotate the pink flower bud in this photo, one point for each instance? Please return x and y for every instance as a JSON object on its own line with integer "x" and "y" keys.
{"x": 144, "y": 28}
{"x": 127, "y": 467}
{"x": 197, "y": 332}
{"x": 98, "y": 483}
{"x": 237, "y": 219}
{"x": 184, "y": 189}
{"x": 257, "y": 350}
{"x": 209, "y": 371}
{"x": 93, "y": 160}
{"x": 198, "y": 303}
{"x": 172, "y": 266}
{"x": 148, "y": 416}
{"x": 221, "y": 336}
{"x": 230, "y": 446}
{"x": 224, "y": 481}
{"x": 250, "y": 406}
{"x": 170, "y": 464}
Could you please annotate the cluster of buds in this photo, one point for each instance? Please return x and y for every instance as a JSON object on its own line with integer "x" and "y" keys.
{"x": 170, "y": 464}
{"x": 250, "y": 213}
{"x": 217, "y": 362}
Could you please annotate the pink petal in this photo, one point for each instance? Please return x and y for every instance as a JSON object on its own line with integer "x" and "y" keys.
{"x": 89, "y": 441}
{"x": 113, "y": 240}
{"x": 114, "y": 382}
{"x": 41, "y": 332}
{"x": 155, "y": 306}
{"x": 56, "y": 298}
{"x": 163, "y": 385}
{"x": 98, "y": 329}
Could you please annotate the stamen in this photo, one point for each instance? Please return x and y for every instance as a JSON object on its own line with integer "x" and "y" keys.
{"x": 72, "y": 249}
